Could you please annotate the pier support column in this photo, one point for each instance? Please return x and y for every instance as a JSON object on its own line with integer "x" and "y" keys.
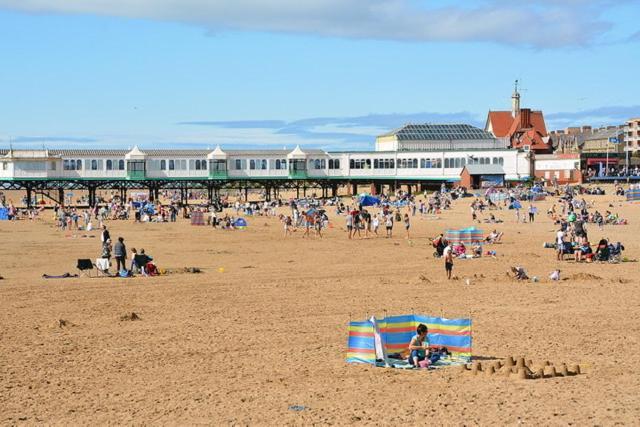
{"x": 28, "y": 196}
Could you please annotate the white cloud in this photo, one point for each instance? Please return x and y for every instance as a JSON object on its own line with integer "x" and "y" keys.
{"x": 537, "y": 23}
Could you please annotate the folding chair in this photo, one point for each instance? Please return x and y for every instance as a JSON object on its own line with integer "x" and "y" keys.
{"x": 85, "y": 266}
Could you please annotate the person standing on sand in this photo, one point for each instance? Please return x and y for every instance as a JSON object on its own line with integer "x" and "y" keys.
{"x": 532, "y": 213}
{"x": 560, "y": 244}
{"x": 120, "y": 253}
{"x": 105, "y": 234}
{"x": 448, "y": 260}
{"x": 407, "y": 224}
{"x": 288, "y": 222}
{"x": 389, "y": 225}
{"x": 349, "y": 224}
{"x": 375, "y": 224}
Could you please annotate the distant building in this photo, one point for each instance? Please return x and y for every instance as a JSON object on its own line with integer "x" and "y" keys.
{"x": 632, "y": 135}
{"x": 523, "y": 128}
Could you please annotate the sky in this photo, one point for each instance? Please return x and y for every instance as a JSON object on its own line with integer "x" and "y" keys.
{"x": 328, "y": 74}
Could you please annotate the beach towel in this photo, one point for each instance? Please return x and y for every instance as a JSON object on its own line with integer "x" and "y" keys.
{"x": 102, "y": 264}
{"x": 62, "y": 276}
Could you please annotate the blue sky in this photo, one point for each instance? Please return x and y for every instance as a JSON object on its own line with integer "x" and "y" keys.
{"x": 322, "y": 73}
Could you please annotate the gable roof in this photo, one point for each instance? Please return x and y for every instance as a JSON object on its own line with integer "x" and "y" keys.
{"x": 503, "y": 124}
{"x": 500, "y": 122}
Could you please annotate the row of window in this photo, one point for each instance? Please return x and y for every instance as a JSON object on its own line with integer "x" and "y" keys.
{"x": 115, "y": 165}
{"x": 281, "y": 164}
{"x": 460, "y": 162}
{"x": 449, "y": 163}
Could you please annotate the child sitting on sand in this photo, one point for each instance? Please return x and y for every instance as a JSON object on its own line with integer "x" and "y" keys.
{"x": 419, "y": 346}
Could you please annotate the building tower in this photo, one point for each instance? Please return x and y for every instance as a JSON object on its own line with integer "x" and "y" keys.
{"x": 515, "y": 102}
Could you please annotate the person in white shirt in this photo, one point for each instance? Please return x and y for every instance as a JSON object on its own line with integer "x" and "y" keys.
{"x": 560, "y": 243}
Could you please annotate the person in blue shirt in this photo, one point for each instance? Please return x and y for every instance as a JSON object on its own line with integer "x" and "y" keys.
{"x": 419, "y": 346}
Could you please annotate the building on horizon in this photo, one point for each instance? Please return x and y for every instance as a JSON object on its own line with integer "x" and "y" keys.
{"x": 632, "y": 135}
{"x": 523, "y": 128}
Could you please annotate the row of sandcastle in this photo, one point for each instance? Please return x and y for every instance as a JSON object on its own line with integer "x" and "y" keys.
{"x": 521, "y": 369}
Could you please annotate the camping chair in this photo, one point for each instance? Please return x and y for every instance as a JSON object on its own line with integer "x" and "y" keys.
{"x": 85, "y": 266}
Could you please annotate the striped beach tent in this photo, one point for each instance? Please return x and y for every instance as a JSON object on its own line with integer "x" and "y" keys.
{"x": 633, "y": 195}
{"x": 395, "y": 333}
{"x": 466, "y": 235}
{"x": 197, "y": 218}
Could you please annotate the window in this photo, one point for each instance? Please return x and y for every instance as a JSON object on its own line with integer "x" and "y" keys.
{"x": 78, "y": 165}
{"x": 383, "y": 164}
{"x": 109, "y": 165}
{"x": 204, "y": 164}
{"x": 96, "y": 165}
{"x": 163, "y": 165}
{"x": 334, "y": 163}
{"x": 172, "y": 165}
{"x": 359, "y": 163}
{"x": 407, "y": 163}
{"x": 282, "y": 163}
{"x": 5, "y": 166}
{"x": 252, "y": 164}
{"x": 430, "y": 163}
{"x": 263, "y": 164}
{"x": 53, "y": 166}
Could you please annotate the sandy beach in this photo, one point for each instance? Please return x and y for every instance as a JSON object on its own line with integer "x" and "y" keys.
{"x": 262, "y": 331}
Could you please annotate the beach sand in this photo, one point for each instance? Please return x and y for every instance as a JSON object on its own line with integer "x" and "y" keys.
{"x": 244, "y": 344}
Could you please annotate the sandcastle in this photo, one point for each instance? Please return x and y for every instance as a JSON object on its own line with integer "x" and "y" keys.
{"x": 521, "y": 369}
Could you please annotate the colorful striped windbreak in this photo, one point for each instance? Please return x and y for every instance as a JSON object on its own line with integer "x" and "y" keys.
{"x": 397, "y": 331}
{"x": 466, "y": 235}
{"x": 633, "y": 195}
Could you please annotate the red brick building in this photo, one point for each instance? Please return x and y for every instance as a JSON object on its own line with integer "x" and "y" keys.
{"x": 524, "y": 128}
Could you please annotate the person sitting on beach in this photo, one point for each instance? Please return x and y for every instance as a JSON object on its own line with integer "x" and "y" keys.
{"x": 477, "y": 249}
{"x": 459, "y": 249}
{"x": 519, "y": 273}
{"x": 602, "y": 251}
{"x": 418, "y": 346}
{"x": 141, "y": 261}
{"x": 584, "y": 251}
{"x": 494, "y": 237}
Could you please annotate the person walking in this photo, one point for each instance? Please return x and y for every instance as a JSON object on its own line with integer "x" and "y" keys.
{"x": 448, "y": 260}
{"x": 105, "y": 234}
{"x": 407, "y": 224}
{"x": 120, "y": 253}
{"x": 532, "y": 213}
